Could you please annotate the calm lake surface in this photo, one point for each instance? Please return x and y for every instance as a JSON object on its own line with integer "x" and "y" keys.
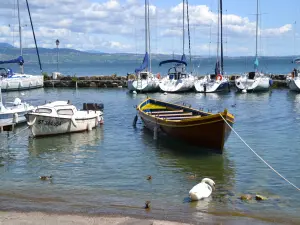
{"x": 105, "y": 170}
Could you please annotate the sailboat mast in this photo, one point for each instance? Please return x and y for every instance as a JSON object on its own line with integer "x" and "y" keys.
{"x": 32, "y": 28}
{"x": 256, "y": 29}
{"x": 183, "y": 36}
{"x": 146, "y": 29}
{"x": 148, "y": 19}
{"x": 20, "y": 35}
{"x": 221, "y": 20}
{"x": 218, "y": 32}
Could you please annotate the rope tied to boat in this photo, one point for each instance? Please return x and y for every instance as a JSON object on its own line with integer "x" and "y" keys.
{"x": 259, "y": 155}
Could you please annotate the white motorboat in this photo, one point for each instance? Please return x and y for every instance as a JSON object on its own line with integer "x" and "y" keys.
{"x": 14, "y": 112}
{"x": 252, "y": 82}
{"x": 61, "y": 117}
{"x": 212, "y": 83}
{"x": 177, "y": 79}
{"x": 20, "y": 81}
{"x": 144, "y": 82}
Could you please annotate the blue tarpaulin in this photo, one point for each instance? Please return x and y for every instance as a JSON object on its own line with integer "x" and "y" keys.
{"x": 172, "y": 61}
{"x": 144, "y": 64}
{"x": 19, "y": 60}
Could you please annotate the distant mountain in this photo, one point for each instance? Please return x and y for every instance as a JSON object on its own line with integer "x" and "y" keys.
{"x": 5, "y": 45}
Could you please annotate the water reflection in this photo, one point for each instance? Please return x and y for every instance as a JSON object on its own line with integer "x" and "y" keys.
{"x": 67, "y": 142}
{"x": 255, "y": 96}
{"x": 188, "y": 160}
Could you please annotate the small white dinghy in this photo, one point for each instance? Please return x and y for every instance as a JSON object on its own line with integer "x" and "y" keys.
{"x": 61, "y": 117}
{"x": 202, "y": 190}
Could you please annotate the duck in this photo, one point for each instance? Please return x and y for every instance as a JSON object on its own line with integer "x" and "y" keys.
{"x": 46, "y": 177}
{"x": 147, "y": 205}
{"x": 149, "y": 177}
{"x": 202, "y": 190}
{"x": 192, "y": 176}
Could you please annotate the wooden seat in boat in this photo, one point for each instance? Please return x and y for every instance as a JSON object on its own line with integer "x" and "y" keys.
{"x": 181, "y": 117}
{"x": 165, "y": 112}
{"x": 176, "y": 114}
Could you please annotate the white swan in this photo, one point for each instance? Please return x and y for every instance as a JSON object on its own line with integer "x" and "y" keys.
{"x": 202, "y": 190}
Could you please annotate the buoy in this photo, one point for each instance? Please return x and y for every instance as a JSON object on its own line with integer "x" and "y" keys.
{"x": 89, "y": 127}
{"x": 134, "y": 92}
{"x": 31, "y": 123}
{"x": 244, "y": 91}
{"x": 165, "y": 93}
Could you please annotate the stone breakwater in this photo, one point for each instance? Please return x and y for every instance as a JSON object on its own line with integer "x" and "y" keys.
{"x": 114, "y": 81}
{"x": 88, "y": 81}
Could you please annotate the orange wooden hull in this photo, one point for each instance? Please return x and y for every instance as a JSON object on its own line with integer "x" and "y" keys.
{"x": 207, "y": 130}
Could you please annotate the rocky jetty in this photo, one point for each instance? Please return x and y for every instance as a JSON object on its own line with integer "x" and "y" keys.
{"x": 114, "y": 81}
{"x": 86, "y": 82}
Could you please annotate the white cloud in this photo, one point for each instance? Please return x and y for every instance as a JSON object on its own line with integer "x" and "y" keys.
{"x": 115, "y": 25}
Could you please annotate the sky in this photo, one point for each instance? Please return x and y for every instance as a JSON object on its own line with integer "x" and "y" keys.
{"x": 117, "y": 26}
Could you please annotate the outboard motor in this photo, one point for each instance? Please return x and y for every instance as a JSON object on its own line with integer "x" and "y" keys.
{"x": 93, "y": 106}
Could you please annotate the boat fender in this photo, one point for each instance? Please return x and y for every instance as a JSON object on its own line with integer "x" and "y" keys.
{"x": 271, "y": 82}
{"x": 89, "y": 127}
{"x": 101, "y": 120}
{"x": 15, "y": 118}
{"x": 74, "y": 121}
{"x": 158, "y": 75}
{"x": 31, "y": 123}
{"x": 219, "y": 77}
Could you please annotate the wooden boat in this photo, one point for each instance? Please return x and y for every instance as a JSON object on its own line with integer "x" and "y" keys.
{"x": 190, "y": 125}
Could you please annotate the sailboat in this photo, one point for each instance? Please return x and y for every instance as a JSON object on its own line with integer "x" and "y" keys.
{"x": 11, "y": 81}
{"x": 145, "y": 81}
{"x": 294, "y": 81}
{"x": 177, "y": 79}
{"x": 215, "y": 82}
{"x": 14, "y": 112}
{"x": 255, "y": 80}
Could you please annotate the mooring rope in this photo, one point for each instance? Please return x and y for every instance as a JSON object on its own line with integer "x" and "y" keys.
{"x": 10, "y": 138}
{"x": 260, "y": 156}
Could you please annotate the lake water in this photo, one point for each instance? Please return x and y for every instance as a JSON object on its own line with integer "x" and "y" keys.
{"x": 105, "y": 170}
{"x": 81, "y": 67}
